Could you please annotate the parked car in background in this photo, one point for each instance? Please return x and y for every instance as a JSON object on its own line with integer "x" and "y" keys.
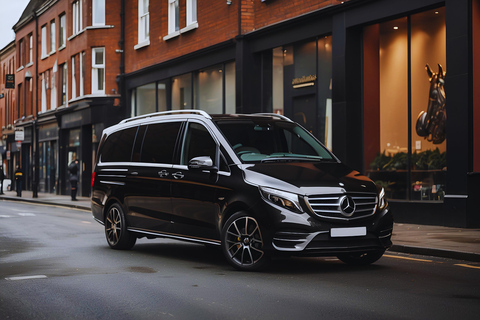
{"x": 257, "y": 185}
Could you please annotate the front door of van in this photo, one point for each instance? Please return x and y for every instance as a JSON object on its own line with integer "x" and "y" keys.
{"x": 194, "y": 192}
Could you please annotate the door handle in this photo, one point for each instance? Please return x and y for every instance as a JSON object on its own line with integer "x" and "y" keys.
{"x": 178, "y": 175}
{"x": 163, "y": 173}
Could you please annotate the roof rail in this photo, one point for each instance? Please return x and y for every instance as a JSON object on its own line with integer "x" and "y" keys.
{"x": 274, "y": 115}
{"x": 166, "y": 113}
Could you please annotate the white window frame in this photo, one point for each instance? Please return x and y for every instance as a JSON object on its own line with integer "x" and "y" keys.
{"x": 82, "y": 59}
{"x": 74, "y": 80}
{"x": 173, "y": 19}
{"x": 191, "y": 16}
{"x": 95, "y": 68}
{"x": 77, "y": 17}
{"x": 44, "y": 42}
{"x": 53, "y": 88}
{"x": 44, "y": 92}
{"x": 98, "y": 17}
{"x": 62, "y": 33}
{"x": 30, "y": 49}
{"x": 64, "y": 84}
{"x": 143, "y": 24}
{"x": 52, "y": 37}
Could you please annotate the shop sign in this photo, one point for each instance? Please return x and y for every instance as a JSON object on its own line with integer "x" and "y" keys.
{"x": 305, "y": 81}
{"x": 10, "y": 81}
{"x": 19, "y": 134}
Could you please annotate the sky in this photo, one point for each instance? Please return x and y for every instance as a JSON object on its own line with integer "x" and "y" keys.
{"x": 10, "y": 12}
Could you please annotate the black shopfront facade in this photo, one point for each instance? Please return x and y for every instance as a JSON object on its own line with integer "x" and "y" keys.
{"x": 354, "y": 75}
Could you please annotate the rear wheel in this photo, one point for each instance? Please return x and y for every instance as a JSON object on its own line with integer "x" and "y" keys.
{"x": 118, "y": 237}
{"x": 361, "y": 258}
{"x": 242, "y": 242}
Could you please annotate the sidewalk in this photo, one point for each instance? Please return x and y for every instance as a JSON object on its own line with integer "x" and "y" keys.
{"x": 454, "y": 243}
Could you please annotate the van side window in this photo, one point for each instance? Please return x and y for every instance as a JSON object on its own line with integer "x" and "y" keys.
{"x": 198, "y": 142}
{"x": 159, "y": 143}
{"x": 118, "y": 146}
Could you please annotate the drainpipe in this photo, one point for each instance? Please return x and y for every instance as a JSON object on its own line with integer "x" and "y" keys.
{"x": 34, "y": 128}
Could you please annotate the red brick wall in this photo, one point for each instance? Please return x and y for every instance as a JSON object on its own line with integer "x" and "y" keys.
{"x": 217, "y": 22}
{"x": 273, "y": 11}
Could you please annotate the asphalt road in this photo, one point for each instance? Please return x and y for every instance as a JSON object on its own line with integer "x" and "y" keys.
{"x": 55, "y": 264}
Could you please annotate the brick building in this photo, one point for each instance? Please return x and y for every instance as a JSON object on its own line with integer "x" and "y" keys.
{"x": 352, "y": 72}
{"x": 7, "y": 100}
{"x": 67, "y": 69}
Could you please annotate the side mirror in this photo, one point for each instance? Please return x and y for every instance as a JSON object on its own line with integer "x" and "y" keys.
{"x": 201, "y": 163}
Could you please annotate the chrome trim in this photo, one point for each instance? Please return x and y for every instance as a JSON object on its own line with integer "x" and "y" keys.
{"x": 299, "y": 247}
{"x": 113, "y": 182}
{"x": 174, "y": 236}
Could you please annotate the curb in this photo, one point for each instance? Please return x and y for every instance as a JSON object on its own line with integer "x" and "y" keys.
{"x": 57, "y": 204}
{"x": 442, "y": 253}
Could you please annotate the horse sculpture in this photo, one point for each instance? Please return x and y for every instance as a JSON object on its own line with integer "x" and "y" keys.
{"x": 432, "y": 124}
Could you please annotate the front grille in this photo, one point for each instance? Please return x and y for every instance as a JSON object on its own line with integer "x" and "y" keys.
{"x": 330, "y": 206}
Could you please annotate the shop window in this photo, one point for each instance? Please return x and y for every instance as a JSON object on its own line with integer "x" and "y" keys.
{"x": 208, "y": 90}
{"x": 405, "y": 145}
{"x": 182, "y": 92}
{"x": 146, "y": 99}
{"x": 301, "y": 85}
{"x": 230, "y": 88}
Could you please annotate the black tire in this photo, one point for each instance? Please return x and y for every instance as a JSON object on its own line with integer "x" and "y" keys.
{"x": 242, "y": 242}
{"x": 361, "y": 258}
{"x": 118, "y": 237}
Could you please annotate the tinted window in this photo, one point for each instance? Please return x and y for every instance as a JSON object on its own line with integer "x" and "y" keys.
{"x": 198, "y": 142}
{"x": 260, "y": 140}
{"x": 159, "y": 142}
{"x": 118, "y": 146}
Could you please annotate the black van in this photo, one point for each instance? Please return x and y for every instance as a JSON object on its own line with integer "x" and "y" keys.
{"x": 257, "y": 185}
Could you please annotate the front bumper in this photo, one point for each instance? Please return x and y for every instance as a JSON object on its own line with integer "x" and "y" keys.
{"x": 318, "y": 240}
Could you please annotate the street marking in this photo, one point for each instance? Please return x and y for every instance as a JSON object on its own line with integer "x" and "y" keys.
{"x": 26, "y": 214}
{"x": 26, "y": 278}
{"x": 5, "y": 216}
{"x": 407, "y": 258}
{"x": 87, "y": 222}
{"x": 468, "y": 266}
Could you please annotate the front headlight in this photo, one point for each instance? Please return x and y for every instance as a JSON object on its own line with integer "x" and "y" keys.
{"x": 382, "y": 201}
{"x": 283, "y": 199}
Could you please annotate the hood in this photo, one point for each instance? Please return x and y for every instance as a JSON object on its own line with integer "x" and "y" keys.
{"x": 309, "y": 178}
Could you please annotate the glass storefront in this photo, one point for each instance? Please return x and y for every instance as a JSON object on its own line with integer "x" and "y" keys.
{"x": 410, "y": 160}
{"x": 301, "y": 85}
{"x": 211, "y": 89}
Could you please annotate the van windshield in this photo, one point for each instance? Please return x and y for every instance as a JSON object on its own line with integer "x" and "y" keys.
{"x": 272, "y": 141}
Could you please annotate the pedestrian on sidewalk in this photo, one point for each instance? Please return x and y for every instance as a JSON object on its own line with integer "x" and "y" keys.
{"x": 18, "y": 180}
{"x": 2, "y": 177}
{"x": 73, "y": 169}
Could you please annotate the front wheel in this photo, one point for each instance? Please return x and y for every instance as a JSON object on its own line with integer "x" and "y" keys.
{"x": 242, "y": 242}
{"x": 118, "y": 237}
{"x": 362, "y": 258}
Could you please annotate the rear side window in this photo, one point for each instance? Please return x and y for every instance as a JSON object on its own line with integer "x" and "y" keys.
{"x": 159, "y": 142}
{"x": 118, "y": 146}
